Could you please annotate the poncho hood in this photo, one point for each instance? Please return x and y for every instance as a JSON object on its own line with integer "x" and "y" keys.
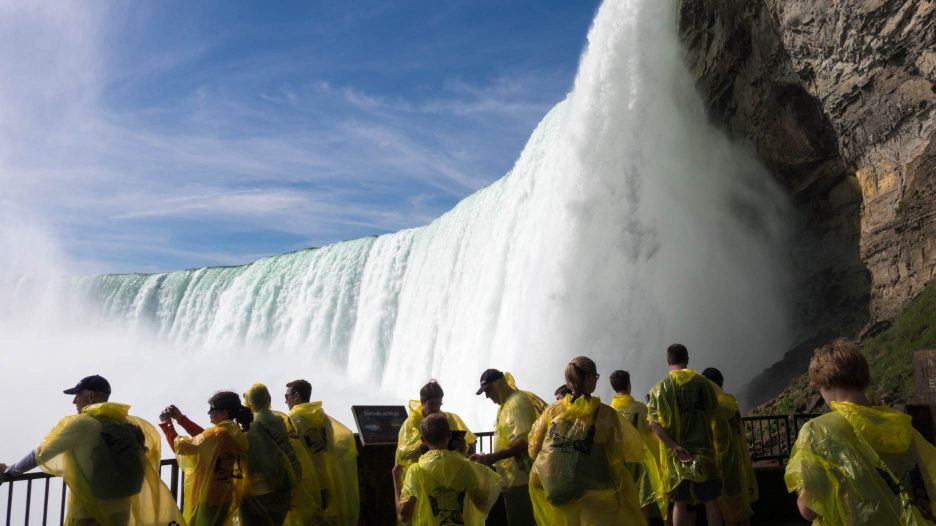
{"x": 235, "y": 431}
{"x": 257, "y": 398}
{"x": 415, "y": 410}
{"x": 727, "y": 400}
{"x": 681, "y": 376}
{"x": 505, "y": 386}
{"x": 621, "y": 401}
{"x": 112, "y": 410}
{"x": 312, "y": 411}
{"x": 582, "y": 407}
{"x": 884, "y": 429}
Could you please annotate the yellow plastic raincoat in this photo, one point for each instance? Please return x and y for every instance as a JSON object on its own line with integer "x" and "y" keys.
{"x": 690, "y": 427}
{"x": 864, "y": 465}
{"x": 67, "y": 451}
{"x": 515, "y": 418}
{"x": 449, "y": 489}
{"x": 409, "y": 447}
{"x": 635, "y": 413}
{"x": 334, "y": 455}
{"x": 580, "y": 475}
{"x": 214, "y": 466}
{"x": 276, "y": 483}
{"x": 739, "y": 484}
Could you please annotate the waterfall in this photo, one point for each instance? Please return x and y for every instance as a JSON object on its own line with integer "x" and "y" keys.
{"x": 626, "y": 224}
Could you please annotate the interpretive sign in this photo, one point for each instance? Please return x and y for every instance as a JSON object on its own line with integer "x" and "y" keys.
{"x": 378, "y": 424}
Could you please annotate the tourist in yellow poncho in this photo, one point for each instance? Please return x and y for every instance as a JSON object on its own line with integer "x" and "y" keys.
{"x": 443, "y": 487}
{"x": 862, "y": 464}
{"x": 681, "y": 411}
{"x": 739, "y": 484}
{"x": 103, "y": 490}
{"x": 517, "y": 412}
{"x": 409, "y": 445}
{"x": 581, "y": 448}
{"x": 213, "y": 460}
{"x": 275, "y": 462}
{"x": 652, "y": 498}
{"x": 333, "y": 451}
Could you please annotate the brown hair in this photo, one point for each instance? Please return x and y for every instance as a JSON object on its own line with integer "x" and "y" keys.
{"x": 431, "y": 391}
{"x": 435, "y": 430}
{"x": 302, "y": 388}
{"x": 620, "y": 381}
{"x": 839, "y": 364}
{"x": 230, "y": 403}
{"x": 677, "y": 354}
{"x": 577, "y": 372}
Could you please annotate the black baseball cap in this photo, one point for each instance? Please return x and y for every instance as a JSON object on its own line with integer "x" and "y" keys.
{"x": 91, "y": 383}
{"x": 489, "y": 377}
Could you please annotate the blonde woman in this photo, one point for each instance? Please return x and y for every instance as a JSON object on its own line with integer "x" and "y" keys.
{"x": 581, "y": 449}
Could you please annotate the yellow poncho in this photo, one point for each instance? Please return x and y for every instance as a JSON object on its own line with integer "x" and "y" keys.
{"x": 844, "y": 464}
{"x": 66, "y": 451}
{"x": 739, "y": 484}
{"x": 515, "y": 418}
{"x": 215, "y": 468}
{"x": 581, "y": 450}
{"x": 691, "y": 428}
{"x": 409, "y": 446}
{"x": 635, "y": 413}
{"x": 334, "y": 456}
{"x": 449, "y": 489}
{"x": 281, "y": 475}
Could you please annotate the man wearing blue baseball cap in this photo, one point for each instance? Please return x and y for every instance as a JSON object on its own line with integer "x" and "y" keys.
{"x": 108, "y": 459}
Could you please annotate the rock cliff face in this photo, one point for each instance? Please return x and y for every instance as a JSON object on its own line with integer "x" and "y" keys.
{"x": 837, "y": 97}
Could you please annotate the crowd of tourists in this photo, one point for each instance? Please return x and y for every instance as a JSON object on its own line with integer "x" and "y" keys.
{"x": 575, "y": 462}
{"x": 252, "y": 465}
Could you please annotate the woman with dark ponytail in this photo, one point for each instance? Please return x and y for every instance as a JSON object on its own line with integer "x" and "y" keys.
{"x": 580, "y": 448}
{"x": 212, "y": 460}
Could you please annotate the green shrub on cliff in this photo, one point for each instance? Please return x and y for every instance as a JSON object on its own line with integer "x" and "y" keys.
{"x": 891, "y": 352}
{"x": 890, "y": 355}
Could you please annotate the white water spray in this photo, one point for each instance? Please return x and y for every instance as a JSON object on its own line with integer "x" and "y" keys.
{"x": 627, "y": 223}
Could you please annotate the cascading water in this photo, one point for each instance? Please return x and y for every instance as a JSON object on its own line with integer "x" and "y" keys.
{"x": 627, "y": 223}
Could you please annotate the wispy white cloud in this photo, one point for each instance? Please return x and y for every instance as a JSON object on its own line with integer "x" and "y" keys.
{"x": 242, "y": 145}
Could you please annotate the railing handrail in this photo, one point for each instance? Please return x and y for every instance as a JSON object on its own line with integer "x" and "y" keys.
{"x": 779, "y": 437}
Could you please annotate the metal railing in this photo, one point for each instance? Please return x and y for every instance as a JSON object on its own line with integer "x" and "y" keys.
{"x": 485, "y": 443}
{"x": 769, "y": 437}
{"x": 772, "y": 437}
{"x": 54, "y": 493}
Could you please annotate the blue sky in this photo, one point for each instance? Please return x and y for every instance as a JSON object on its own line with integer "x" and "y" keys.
{"x": 165, "y": 135}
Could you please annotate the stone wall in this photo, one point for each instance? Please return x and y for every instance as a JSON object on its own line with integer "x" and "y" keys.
{"x": 836, "y": 97}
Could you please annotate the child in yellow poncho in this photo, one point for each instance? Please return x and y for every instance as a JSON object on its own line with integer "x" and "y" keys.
{"x": 862, "y": 463}
{"x": 409, "y": 445}
{"x": 443, "y": 487}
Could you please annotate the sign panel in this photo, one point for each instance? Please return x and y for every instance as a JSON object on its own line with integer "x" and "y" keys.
{"x": 378, "y": 424}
